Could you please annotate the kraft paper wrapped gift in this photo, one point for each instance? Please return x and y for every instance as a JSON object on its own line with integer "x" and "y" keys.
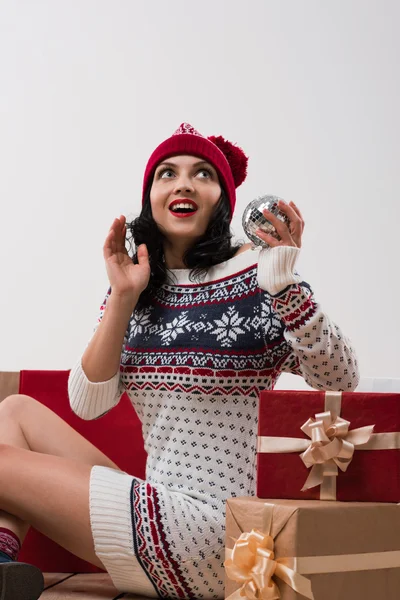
{"x": 328, "y": 550}
{"x": 329, "y": 446}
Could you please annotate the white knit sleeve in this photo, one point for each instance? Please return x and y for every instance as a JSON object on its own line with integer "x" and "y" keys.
{"x": 90, "y": 400}
{"x": 276, "y": 268}
{"x": 316, "y": 347}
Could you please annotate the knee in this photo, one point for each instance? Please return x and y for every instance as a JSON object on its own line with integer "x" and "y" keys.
{"x": 14, "y": 404}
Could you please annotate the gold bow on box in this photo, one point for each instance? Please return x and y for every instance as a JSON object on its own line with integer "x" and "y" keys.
{"x": 252, "y": 562}
{"x": 331, "y": 446}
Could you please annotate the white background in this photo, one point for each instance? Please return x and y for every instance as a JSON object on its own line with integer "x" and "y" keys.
{"x": 88, "y": 88}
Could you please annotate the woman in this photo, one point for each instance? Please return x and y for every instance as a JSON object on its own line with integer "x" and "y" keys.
{"x": 192, "y": 329}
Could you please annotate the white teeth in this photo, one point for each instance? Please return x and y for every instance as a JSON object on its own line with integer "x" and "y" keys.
{"x": 182, "y": 205}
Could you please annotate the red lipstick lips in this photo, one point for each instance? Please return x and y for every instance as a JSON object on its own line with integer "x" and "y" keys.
{"x": 185, "y": 204}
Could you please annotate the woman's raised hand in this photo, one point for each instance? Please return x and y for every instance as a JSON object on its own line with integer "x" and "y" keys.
{"x": 290, "y": 235}
{"x": 126, "y": 278}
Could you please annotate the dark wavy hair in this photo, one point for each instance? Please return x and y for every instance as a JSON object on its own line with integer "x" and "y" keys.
{"x": 214, "y": 246}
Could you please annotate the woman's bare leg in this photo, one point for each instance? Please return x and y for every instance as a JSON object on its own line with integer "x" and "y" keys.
{"x": 52, "y": 494}
{"x": 44, "y": 475}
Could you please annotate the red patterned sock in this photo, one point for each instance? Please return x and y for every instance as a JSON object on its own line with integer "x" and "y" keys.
{"x": 9, "y": 543}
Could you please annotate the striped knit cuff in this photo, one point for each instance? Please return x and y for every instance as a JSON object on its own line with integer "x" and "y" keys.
{"x": 10, "y": 544}
{"x": 88, "y": 399}
{"x": 111, "y": 524}
{"x": 276, "y": 268}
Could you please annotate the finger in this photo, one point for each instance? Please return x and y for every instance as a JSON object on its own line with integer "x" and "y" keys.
{"x": 118, "y": 223}
{"x": 120, "y": 234}
{"x": 120, "y": 241}
{"x": 113, "y": 244}
{"x": 296, "y": 224}
{"x": 267, "y": 238}
{"x": 143, "y": 255}
{"x": 114, "y": 228}
{"x": 122, "y": 221}
{"x": 107, "y": 248}
{"x": 294, "y": 228}
{"x": 298, "y": 213}
{"x": 287, "y": 208}
{"x": 289, "y": 211}
{"x": 295, "y": 208}
{"x": 281, "y": 227}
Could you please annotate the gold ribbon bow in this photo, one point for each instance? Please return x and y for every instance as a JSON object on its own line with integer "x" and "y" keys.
{"x": 252, "y": 563}
{"x": 332, "y": 446}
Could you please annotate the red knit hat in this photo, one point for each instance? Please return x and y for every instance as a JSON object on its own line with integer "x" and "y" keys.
{"x": 228, "y": 159}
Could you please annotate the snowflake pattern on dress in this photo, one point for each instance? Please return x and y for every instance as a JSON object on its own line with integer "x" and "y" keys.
{"x": 230, "y": 326}
{"x": 272, "y": 323}
{"x": 170, "y": 331}
{"x": 139, "y": 322}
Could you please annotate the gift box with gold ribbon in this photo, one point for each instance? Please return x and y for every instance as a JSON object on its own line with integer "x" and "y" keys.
{"x": 329, "y": 446}
{"x": 296, "y": 549}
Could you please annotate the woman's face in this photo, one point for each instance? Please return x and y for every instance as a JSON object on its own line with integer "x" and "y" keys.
{"x": 183, "y": 195}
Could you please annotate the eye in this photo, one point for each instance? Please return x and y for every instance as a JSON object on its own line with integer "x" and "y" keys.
{"x": 207, "y": 171}
{"x": 162, "y": 174}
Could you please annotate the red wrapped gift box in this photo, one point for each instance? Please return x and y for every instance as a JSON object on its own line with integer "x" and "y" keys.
{"x": 371, "y": 472}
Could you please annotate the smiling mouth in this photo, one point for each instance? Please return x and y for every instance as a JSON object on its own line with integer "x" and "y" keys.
{"x": 182, "y": 209}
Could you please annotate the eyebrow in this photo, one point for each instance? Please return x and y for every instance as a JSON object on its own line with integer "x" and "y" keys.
{"x": 172, "y": 164}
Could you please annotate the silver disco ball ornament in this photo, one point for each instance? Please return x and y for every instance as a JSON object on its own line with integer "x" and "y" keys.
{"x": 253, "y": 219}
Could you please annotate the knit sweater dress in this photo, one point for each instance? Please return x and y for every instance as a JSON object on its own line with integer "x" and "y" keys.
{"x": 193, "y": 363}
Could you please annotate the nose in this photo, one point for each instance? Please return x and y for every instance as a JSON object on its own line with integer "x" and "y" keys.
{"x": 183, "y": 183}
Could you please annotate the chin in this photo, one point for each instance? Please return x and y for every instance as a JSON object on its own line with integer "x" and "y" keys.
{"x": 190, "y": 237}
{"x": 186, "y": 231}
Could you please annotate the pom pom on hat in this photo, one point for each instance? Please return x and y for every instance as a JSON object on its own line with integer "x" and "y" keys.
{"x": 228, "y": 159}
{"x": 235, "y": 156}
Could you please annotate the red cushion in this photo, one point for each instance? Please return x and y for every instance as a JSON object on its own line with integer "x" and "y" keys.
{"x": 118, "y": 434}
